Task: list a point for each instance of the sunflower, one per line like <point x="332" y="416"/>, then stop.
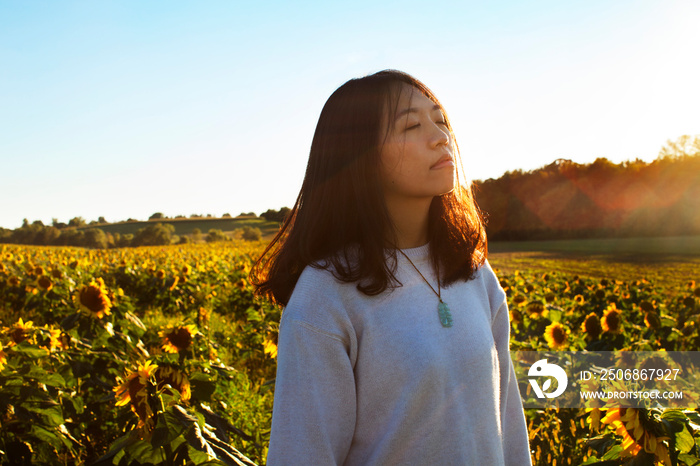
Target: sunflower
<point x="579" y="299"/>
<point x="593" y="419"/>
<point x="556" y="335"/>
<point x="270" y="345"/>
<point x="519" y="299"/>
<point x="3" y="358"/>
<point x="134" y="391"/>
<point x="592" y="326"/>
<point x="178" y="338"/>
<point x="612" y="320"/>
<point x="51" y="338"/>
<point x="536" y="309"/>
<point x="44" y="283"/>
<point x="515" y="316"/>
<point x="175" y="282"/>
<point x="20" y="331"/>
<point x="170" y="376"/>
<point x="203" y="316"/>
<point x="636" y="432"/>
<point x="93" y="299"/>
<point x="651" y="319"/>
<point x="646" y="306"/>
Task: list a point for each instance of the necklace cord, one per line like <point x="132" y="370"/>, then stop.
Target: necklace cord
<point x="437" y="293"/>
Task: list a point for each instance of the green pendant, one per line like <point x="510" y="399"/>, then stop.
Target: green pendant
<point x="444" y="314"/>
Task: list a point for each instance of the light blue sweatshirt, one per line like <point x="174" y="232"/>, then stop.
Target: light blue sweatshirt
<point x="377" y="380"/>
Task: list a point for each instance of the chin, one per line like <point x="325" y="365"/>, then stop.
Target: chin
<point x="448" y="188"/>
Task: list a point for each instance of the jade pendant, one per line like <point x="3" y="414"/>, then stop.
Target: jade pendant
<point x="444" y="314"/>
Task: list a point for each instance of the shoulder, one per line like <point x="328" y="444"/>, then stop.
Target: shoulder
<point x="492" y="286"/>
<point x="320" y="300"/>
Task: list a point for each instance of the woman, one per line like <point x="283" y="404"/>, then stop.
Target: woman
<point x="393" y="345"/>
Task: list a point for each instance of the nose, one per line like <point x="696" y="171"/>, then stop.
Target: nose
<point x="440" y="136"/>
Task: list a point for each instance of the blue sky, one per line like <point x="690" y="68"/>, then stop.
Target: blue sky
<point x="123" y="108"/>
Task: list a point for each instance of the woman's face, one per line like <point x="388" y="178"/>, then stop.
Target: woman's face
<point x="417" y="158"/>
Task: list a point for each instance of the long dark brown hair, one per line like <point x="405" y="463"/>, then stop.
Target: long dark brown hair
<point x="340" y="221"/>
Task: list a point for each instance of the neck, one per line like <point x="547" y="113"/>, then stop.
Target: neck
<point x="410" y="221"/>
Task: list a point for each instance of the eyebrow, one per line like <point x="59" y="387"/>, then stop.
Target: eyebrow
<point x="414" y="110"/>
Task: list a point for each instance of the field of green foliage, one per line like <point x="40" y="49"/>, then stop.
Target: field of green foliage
<point x="162" y="355"/>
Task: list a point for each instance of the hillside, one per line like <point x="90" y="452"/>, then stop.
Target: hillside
<point x="185" y="226"/>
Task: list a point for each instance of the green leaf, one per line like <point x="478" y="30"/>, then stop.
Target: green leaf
<point x="69" y="321"/>
<point x="29" y="350"/>
<point x="143" y="452"/>
<point x="160" y="436"/>
<point x="47" y="378"/>
<point x="672" y="426"/>
<point x="684" y="441"/>
<point x="554" y="314"/>
<point x="202" y="386"/>
<point x="689" y="460"/>
<point x="674" y="415"/>
<point x="53" y="416"/>
<point x="694" y="416"/>
<point x="78" y="404"/>
<point x="614" y="453"/>
<point x="116" y="450"/>
<point x="46" y="436"/>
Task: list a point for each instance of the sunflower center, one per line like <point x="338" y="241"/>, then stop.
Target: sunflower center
<point x="559" y="335"/>
<point x="613" y="320"/>
<point x="180" y="338"/>
<point x="92" y="298"/>
<point x="593" y="326"/>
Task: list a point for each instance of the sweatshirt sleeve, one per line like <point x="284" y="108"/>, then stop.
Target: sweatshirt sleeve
<point x="516" y="448"/>
<point x="313" y="418"/>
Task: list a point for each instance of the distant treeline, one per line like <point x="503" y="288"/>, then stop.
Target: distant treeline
<point x="568" y="200"/>
<point x="157" y="234"/>
<point x="97" y="234"/>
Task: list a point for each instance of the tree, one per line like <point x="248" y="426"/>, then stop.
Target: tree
<point x="216" y="235"/>
<point x="272" y="215"/>
<point x="251" y="234"/>
<point x="154" y="235"/>
<point x="156" y="216"/>
<point x="76" y="222"/>
<point x="683" y="146"/>
<point x="95" y="238"/>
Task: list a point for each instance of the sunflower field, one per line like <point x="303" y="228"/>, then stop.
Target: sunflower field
<point x="162" y="355"/>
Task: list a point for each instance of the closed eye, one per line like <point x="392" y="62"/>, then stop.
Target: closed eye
<point x="408" y="128"/>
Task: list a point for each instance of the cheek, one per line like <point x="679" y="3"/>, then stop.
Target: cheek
<point x="391" y="163"/>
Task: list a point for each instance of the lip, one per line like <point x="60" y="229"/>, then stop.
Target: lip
<point x="444" y="161"/>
